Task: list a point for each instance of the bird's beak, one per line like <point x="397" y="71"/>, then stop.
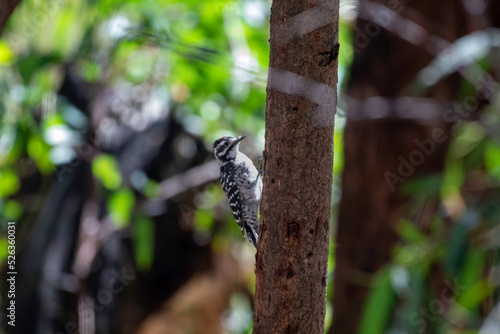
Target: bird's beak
<point x="239" y="139"/>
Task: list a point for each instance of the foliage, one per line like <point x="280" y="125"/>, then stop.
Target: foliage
<point x="460" y="243"/>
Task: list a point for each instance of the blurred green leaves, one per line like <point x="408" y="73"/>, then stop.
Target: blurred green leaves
<point x="492" y="159"/>
<point x="4" y="243"/>
<point x="121" y="201"/>
<point x="409" y="232"/>
<point x="120" y="206"/>
<point x="476" y="293"/>
<point x="30" y="65"/>
<point x="423" y="186"/>
<point x="105" y="169"/>
<point x="143" y="238"/>
<point x="9" y="182"/>
<point x="38" y="150"/>
<point x="379" y="304"/>
<point x="7" y="57"/>
<point x="11" y="210"/>
<point x="204" y="220"/>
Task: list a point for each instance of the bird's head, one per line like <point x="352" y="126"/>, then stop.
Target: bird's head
<point x="226" y="148"/>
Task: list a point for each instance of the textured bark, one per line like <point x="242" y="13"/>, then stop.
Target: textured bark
<point x="6" y="8"/>
<point x="369" y="209"/>
<point x="291" y="263"/>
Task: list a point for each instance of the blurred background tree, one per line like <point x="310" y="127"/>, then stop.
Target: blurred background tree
<point x="417" y="217"/>
<point x="108" y="110"/>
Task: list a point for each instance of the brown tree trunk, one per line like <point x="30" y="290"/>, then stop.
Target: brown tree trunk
<point x="381" y="133"/>
<point x="291" y="263"/>
<point x="6" y="8"/>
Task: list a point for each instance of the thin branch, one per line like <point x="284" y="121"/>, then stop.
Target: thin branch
<point x="193" y="178"/>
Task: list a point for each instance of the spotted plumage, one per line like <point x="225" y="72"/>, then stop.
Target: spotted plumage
<point x="241" y="182"/>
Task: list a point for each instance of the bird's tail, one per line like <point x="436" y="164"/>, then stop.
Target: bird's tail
<point x="252" y="234"/>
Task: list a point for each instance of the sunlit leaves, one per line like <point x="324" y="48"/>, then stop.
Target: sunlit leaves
<point x="140" y="66"/>
<point x="346" y="52"/>
<point x="105" y="169"/>
<point x="409" y="232"/>
<point x="9" y="182"/>
<point x="38" y="150"/>
<point x="476" y="293"/>
<point x="7" y="57"/>
<point x="204" y="221"/>
<point x="338" y="160"/>
<point x="492" y="159"/>
<point x="120" y="206"/>
<point x="91" y="71"/>
<point x="3" y="249"/>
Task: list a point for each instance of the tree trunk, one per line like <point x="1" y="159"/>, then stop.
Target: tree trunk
<point x="6" y="8"/>
<point x="385" y="66"/>
<point x="291" y="263"/>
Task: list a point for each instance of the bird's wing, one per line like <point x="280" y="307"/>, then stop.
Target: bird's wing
<point x="233" y="195"/>
<point x="235" y="205"/>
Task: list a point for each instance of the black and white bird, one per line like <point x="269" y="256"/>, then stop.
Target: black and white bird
<point x="242" y="184"/>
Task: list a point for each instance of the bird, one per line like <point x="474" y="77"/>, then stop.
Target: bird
<point x="241" y="183"/>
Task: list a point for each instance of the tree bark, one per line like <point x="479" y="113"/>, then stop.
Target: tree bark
<point x="291" y="262"/>
<point x="6" y="8"/>
<point x="385" y="66"/>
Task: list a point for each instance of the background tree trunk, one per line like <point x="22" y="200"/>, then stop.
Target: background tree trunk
<point x="291" y="263"/>
<point x="385" y="65"/>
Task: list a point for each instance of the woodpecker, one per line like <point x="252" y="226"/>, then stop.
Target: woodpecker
<point x="242" y="184"/>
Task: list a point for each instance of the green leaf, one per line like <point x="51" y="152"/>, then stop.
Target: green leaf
<point x="338" y="143"/>
<point x="456" y="248"/>
<point x="91" y="71"/>
<point x="7" y="57"/>
<point x="346" y="48"/>
<point x="425" y="186"/>
<point x="9" y="182"/>
<point x="204" y="220"/>
<point x="12" y="210"/>
<point x="457" y="243"/>
<point x="38" y="150"/>
<point x="492" y="159"/>
<point x="152" y="189"/>
<point x="53" y="119"/>
<point x="105" y="168"/>
<point x="409" y="232"/>
<point x="379" y="304"/>
<point x="29" y="65"/>
<point x="454" y="176"/>
<point x="144" y="242"/>
<point x="120" y="206"/>
<point x="3" y="249"/>
<point x="18" y="146"/>
<point x="475" y="294"/>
